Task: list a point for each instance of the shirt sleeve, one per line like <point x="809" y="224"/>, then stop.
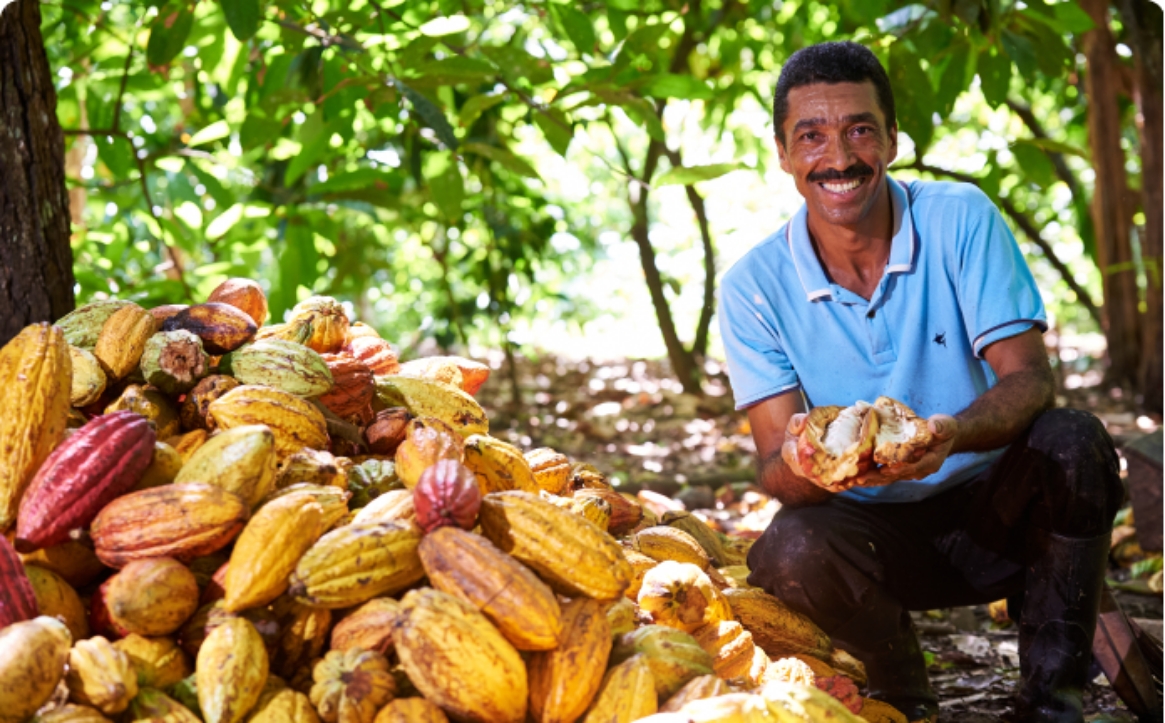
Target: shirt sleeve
<point x="998" y="296"/>
<point x="757" y="365"/>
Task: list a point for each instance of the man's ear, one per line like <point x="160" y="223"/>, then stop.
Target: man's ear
<point x="784" y="156"/>
<point x="892" y="131"/>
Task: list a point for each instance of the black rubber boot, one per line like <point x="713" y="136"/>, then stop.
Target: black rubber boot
<point x="1060" y="603"/>
<point x="882" y="636"/>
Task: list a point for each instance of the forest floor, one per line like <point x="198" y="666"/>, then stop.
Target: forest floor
<point x="630" y="419"/>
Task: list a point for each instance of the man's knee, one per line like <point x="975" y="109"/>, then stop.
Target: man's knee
<point x="807" y="559"/>
<point x="1084" y="488"/>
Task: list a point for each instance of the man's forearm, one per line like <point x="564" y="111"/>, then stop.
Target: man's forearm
<point x="790" y="490"/>
<point x="1001" y="414"/>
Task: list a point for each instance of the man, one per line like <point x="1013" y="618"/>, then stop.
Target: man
<point x="917" y="291"/>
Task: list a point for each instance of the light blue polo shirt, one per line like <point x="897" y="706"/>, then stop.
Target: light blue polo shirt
<point x="956" y="281"/>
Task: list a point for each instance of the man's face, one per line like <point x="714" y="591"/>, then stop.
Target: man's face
<point x="837" y="148"/>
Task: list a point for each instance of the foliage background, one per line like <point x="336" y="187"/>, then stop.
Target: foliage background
<point x="489" y="173"/>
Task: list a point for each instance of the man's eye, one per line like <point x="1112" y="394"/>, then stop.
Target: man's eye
<point x="863" y="130"/>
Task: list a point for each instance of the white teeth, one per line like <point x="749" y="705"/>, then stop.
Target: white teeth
<point x="842" y="187"/>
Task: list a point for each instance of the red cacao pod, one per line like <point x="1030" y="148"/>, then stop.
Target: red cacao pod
<point x="97" y="464"/>
<point x="376" y="353"/>
<point x="353" y="388"/>
<point x="447" y="494"/>
<point x="17" y="600"/>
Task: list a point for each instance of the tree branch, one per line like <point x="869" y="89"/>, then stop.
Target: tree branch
<point x="1026" y="225"/>
<point x="1058" y="163"/>
<point x="696" y="201"/>
<point x="116" y="123"/>
<point x="141" y="164"/>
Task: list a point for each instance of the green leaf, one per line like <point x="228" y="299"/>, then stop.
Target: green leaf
<point x="903" y="19"/>
<point x="638" y="109"/>
<point x="116" y="153"/>
<point x="1072" y="17"/>
<point x="504" y="157"/>
<point x="1055" y="146"/>
<point x="168" y="33"/>
<point x="430" y="115"/>
<point x="258" y="130"/>
<point x="556" y="128"/>
<point x="213" y="132"/>
<point x="357" y="179"/>
<point x="956" y="77"/>
<point x="478" y="104"/>
<point x="242" y="16"/>
<point x="1021" y="51"/>
<point x="576" y="25"/>
<point x="456" y="67"/>
<point x="307" y="157"/>
<point x="913" y="98"/>
<point x="669" y="85"/>
<point x="1034" y="164"/>
<point x="446" y="187"/>
<point x="687" y="175"/>
<point x="994" y="76"/>
<point x="223" y="198"/>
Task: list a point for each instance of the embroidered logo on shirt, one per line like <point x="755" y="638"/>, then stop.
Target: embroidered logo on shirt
<point x="940" y="338"/>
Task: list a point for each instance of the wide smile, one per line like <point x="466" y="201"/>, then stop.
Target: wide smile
<point x="843" y="188"/>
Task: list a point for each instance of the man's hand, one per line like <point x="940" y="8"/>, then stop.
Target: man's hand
<point x="925" y="462"/>
<point x="943" y="429"/>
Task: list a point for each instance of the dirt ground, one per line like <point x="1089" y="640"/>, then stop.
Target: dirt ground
<point x="631" y="420"/>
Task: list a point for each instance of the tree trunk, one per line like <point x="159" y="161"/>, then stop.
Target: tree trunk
<point x="1143" y="25"/>
<point x="1110" y="206"/>
<point x="36" y="261"/>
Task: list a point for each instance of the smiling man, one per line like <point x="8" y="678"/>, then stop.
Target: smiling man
<point x="917" y="291"/>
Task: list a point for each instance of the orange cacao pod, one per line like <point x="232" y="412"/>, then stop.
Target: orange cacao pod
<point x="243" y="294"/>
<point x="96" y="464"/>
<point x="123" y="339"/>
<point x="180" y="521"/>
<point x="386" y="433"/>
<point x="426" y="440"/>
<point x="351" y="396"/>
<point x="368" y="627"/>
<point x="447" y="494"/>
<point x="376" y="353"/>
<point x="563" y="681"/>
<point x="152" y="597"/>
<point x="351" y="685"/>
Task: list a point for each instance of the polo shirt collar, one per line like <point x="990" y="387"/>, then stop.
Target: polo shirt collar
<point x="809" y="271"/>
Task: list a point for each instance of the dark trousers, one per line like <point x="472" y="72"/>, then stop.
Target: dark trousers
<point x="854" y="568"/>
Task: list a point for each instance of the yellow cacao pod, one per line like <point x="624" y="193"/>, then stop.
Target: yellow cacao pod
<point x="328" y="328"/>
<point x="698" y="688"/>
<point x="442" y="642"/>
<point x="679" y="595"/>
<point x="368" y="627"/>
<point x="101" y="676"/>
<point x="426" y="441"/>
<point x="189" y="443"/>
<point x="426" y="398"/>
<point x="707" y="538"/>
<point x="240" y="460"/>
<point x="622" y="616"/>
<point x="778" y="630"/>
<point x="848" y="666"/>
<point x="790" y="670"/>
<point x="563" y="681"/>
<point x="356" y="563"/>
<point x="151" y="404"/>
<point x="875" y="711"/>
<point x="164" y="467"/>
<point x="35" y="383"/>
<point x="470" y="567"/>
<point x="231" y="671"/>
<point x="351" y="685"/>
<point x="499" y="466"/>
<point x="70" y="714"/>
<point x="730" y="646"/>
<point x="396" y="505"/>
<point x="572" y="555"/>
<point x="303" y="634"/>
<point x="152" y="597"/>
<point x="316" y="467"/>
<point x="123" y="339"/>
<point x="593" y="509"/>
<point x="159" y="662"/>
<point x="551" y="469"/>
<point x="268" y="549"/>
<point x="669" y="543"/>
<point x="33" y="655"/>
<point x="735" y="708"/>
<point x="72" y="560"/>
<point x="88" y="378"/>
<point x="332" y="500"/>
<point x="804" y="703"/>
<point x="626" y="512"/>
<point x="640" y="564"/>
<point x="154" y="706"/>
<point x="627" y="693"/>
<point x="410" y="710"/>
<point x="56" y="598"/>
<point x="675" y="656"/>
<point x="295" y="422"/>
<point x="284" y="706"/>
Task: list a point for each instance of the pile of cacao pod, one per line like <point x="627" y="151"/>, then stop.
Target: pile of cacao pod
<point x="208" y="518"/>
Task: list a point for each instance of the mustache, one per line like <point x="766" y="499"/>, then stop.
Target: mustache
<point x="856" y="171"/>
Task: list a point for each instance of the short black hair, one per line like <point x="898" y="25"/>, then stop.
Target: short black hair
<point x="836" y="62"/>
